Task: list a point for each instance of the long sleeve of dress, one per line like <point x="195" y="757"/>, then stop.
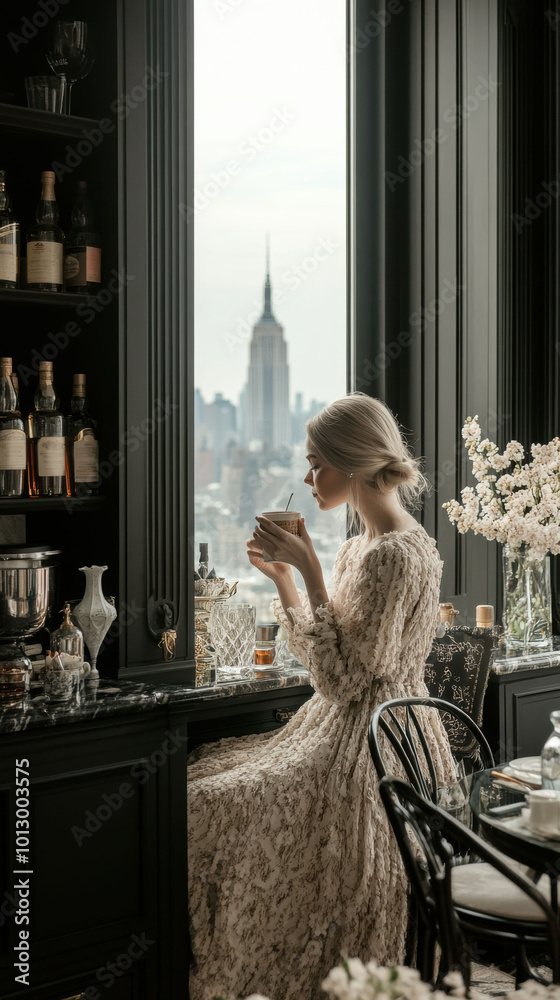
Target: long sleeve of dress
<point x="358" y="637"/>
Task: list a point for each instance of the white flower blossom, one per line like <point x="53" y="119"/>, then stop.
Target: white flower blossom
<point x="518" y="507"/>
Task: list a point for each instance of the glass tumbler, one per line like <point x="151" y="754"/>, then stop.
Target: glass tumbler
<point x="232" y="628"/>
<point x="45" y="93"/>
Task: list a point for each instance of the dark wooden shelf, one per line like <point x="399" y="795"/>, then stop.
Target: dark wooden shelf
<point x="28" y="120"/>
<point x="30" y="297"/>
<point x="29" y="505"/>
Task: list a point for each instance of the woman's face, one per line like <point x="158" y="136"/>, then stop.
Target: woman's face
<point x="330" y="487"/>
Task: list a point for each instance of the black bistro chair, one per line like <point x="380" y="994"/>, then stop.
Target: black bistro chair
<point x="396" y="723"/>
<point x="458" y="905"/>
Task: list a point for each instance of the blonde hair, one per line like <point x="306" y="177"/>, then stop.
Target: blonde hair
<point x="359" y="436"/>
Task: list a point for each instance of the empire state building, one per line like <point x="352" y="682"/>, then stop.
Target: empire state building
<point x="268" y="388"/>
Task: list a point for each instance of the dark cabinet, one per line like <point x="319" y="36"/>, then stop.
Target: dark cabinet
<point x="517" y="711"/>
<point x="106" y="847"/>
<point x="242" y="716"/>
<point x="107" y="859"/>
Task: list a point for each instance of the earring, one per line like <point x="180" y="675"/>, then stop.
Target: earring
<point x="350" y="476"/>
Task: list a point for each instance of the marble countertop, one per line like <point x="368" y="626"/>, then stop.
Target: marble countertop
<point x="106" y="698"/>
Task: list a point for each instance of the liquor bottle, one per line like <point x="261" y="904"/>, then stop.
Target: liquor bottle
<point x="9" y="239"/>
<point x="15" y="383"/>
<point x="82" y="449"/>
<point x="13" y="440"/>
<point x="203" y="561"/>
<point x="446" y="617"/>
<point x="45" y="242"/>
<point x="484" y="616"/>
<point x="82" y="254"/>
<point x="47" y="430"/>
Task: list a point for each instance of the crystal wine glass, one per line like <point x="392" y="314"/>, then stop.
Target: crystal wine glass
<point x="72" y="54"/>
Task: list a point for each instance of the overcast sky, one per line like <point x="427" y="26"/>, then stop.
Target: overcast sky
<point x="270" y="158"/>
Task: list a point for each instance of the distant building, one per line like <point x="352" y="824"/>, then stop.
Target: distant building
<point x="204" y="468"/>
<point x="268" y="389"/>
<point x="298" y="420"/>
<point x="242" y="416"/>
<point x="221" y="420"/>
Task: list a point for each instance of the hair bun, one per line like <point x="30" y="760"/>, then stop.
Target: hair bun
<point x="402" y="469"/>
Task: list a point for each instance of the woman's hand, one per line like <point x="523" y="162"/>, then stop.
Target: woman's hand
<point x="295" y="550"/>
<point x="275" y="571"/>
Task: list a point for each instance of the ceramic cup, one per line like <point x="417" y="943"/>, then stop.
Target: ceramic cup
<point x="286" y="519"/>
<point x="544" y="809"/>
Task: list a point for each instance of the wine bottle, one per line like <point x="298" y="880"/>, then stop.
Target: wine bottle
<point x="9" y="239"/>
<point x="82" y="449"/>
<point x="82" y="255"/>
<point x="47" y="439"/>
<point x="13" y="440"/>
<point x="45" y="242"/>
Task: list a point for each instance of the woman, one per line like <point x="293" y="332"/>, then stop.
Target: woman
<point x="292" y="861"/>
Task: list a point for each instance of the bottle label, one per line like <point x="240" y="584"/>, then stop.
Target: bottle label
<point x="50" y="456"/>
<point x="93" y="264"/>
<point x="13" y="450"/>
<point x="9" y="251"/>
<point x="44" y="263"/>
<point x="86" y="457"/>
<point x="82" y="265"/>
<point x="72" y="268"/>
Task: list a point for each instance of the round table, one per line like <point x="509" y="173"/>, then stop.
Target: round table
<point x="499" y="822"/>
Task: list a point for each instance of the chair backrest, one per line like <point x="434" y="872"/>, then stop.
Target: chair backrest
<point x="402" y="721"/>
<point x="457" y="670"/>
<point x="424" y="833"/>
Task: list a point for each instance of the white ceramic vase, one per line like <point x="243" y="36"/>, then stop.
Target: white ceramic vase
<point x="94" y="614"/>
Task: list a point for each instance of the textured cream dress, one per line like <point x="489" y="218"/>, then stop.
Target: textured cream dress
<point x="292" y="863"/>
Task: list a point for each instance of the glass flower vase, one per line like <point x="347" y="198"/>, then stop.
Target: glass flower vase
<point x="527" y="616"/>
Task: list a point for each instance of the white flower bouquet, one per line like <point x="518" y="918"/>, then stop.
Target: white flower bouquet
<point x="512" y="502"/>
<point x="355" y="981"/>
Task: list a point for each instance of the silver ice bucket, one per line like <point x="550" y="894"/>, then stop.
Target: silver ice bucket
<point x="28" y="588"/>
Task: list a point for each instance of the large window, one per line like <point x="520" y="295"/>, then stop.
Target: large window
<point x="270" y="266"/>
